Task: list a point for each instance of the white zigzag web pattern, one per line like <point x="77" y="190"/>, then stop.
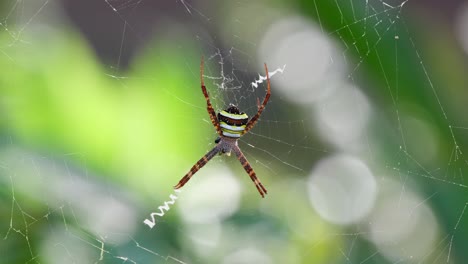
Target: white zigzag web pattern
<point x="263" y="78"/>
<point x="162" y="210"/>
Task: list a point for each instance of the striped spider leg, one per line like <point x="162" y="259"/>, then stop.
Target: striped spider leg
<point x="209" y="107"/>
<point x="230" y="124"/>
<point x="245" y="163"/>
<point x="200" y="163"/>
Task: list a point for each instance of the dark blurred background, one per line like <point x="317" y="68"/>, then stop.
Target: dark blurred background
<point x="362" y="146"/>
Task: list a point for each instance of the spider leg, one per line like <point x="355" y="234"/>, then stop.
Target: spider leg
<point x="254" y="119"/>
<point x="209" y="107"/>
<point x="200" y="163"/>
<point x="245" y="163"/>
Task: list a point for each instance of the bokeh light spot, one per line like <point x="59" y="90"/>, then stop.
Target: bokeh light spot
<point x="214" y="196"/>
<point x="342" y="118"/>
<point x="308" y="55"/>
<point x="402" y="226"/>
<point x="342" y="189"/>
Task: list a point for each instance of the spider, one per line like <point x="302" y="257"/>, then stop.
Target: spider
<point x="230" y="124"/>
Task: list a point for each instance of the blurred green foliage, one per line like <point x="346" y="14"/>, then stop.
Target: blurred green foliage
<point x="57" y="97"/>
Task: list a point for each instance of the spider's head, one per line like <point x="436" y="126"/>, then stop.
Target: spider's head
<point x="233" y="109"/>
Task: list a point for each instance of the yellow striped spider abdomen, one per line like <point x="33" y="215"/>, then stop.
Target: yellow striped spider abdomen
<point x="232" y="122"/>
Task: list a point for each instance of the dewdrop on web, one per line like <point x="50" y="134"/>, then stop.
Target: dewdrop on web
<point x="263" y="78"/>
<point x="162" y="209"/>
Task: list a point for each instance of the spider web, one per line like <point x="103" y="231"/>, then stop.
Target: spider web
<point x="362" y="145"/>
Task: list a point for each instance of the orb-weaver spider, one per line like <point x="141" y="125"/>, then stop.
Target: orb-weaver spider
<point x="230" y="124"/>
